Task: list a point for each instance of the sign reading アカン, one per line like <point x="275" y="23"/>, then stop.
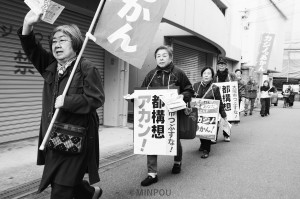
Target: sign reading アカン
<point x="230" y="99"/>
<point x="126" y="28"/>
<point x="208" y="112"/>
<point x="155" y="128"/>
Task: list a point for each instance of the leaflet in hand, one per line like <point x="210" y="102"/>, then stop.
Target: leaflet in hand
<point x="173" y="102"/>
<point x="50" y="9"/>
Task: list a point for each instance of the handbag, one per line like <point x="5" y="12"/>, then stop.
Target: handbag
<point x="67" y="138"/>
<point x="187" y="123"/>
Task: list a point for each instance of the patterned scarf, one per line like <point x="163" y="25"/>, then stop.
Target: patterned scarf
<point x="62" y="68"/>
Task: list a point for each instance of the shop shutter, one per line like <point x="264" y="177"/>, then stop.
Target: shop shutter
<point x="21" y="85"/>
<point x="191" y="61"/>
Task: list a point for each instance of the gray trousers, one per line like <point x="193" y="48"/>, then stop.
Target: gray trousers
<point x="152" y="159"/>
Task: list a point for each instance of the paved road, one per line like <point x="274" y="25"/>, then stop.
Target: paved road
<point x="261" y="161"/>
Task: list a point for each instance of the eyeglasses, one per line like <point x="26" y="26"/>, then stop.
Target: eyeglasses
<point x="60" y="42"/>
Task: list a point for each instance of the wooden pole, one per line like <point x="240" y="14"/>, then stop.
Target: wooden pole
<point x="88" y="35"/>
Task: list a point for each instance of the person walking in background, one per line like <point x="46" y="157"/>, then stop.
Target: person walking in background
<point x="250" y="95"/>
<point x="265" y="98"/>
<point x="223" y="75"/>
<point x="65" y="172"/>
<point x="241" y="85"/>
<point x="206" y="90"/>
<point x="166" y="74"/>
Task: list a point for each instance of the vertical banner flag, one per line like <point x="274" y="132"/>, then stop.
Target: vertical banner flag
<point x="230" y="98"/>
<point x="208" y="112"/>
<point x="155" y="128"/>
<point x="264" y="52"/>
<point x="126" y="28"/>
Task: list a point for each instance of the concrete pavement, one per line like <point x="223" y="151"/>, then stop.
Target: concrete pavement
<point x="261" y="161"/>
<point x="18" y="159"/>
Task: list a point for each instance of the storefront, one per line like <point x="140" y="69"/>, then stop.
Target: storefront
<point x="21" y="84"/>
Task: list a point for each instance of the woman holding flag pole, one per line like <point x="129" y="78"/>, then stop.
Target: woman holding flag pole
<point x="77" y="123"/>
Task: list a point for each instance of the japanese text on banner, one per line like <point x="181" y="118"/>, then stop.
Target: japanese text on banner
<point x="230" y="99"/>
<point x="208" y="112"/>
<point x="155" y="128"/>
<point x="264" y="52"/>
<point x="123" y="25"/>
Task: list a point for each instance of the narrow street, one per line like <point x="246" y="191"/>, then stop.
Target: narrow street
<point x="261" y="161"/>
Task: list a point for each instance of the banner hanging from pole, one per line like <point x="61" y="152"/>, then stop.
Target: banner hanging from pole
<point x="265" y="49"/>
<point x="126" y="28"/>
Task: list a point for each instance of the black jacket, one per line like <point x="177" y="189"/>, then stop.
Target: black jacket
<point x="200" y="90"/>
<point x="170" y="76"/>
<point x="84" y="96"/>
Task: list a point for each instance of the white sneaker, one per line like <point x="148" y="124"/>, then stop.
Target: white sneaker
<point x="227" y="139"/>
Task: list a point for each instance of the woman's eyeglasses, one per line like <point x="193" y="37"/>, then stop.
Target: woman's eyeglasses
<point x="59" y="41"/>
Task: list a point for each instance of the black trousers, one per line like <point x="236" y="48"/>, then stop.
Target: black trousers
<point x="82" y="191"/>
<point x="205" y="145"/>
<point x="265" y="106"/>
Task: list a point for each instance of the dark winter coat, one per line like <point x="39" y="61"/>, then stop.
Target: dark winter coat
<point x="226" y="76"/>
<point x="200" y="90"/>
<point x="170" y="76"/>
<point x="251" y="90"/>
<point x="84" y="96"/>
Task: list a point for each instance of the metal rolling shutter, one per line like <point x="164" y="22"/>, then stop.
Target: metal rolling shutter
<point x="191" y="61"/>
<point x="21" y="88"/>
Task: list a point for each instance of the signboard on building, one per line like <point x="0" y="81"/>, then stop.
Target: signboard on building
<point x="155" y="128"/>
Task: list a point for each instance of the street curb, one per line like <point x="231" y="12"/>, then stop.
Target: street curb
<point x="29" y="190"/>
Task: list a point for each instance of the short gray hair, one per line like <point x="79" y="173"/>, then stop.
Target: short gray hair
<point x="73" y="32"/>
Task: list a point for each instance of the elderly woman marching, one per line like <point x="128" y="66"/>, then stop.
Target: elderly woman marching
<point x="63" y="170"/>
<point x="164" y="75"/>
<point x="206" y="90"/>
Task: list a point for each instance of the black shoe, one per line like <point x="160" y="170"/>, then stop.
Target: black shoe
<point x="250" y="113"/>
<point x="262" y="115"/>
<point x="176" y="168"/>
<point x="149" y="181"/>
<point x="205" y="154"/>
<point x="245" y="114"/>
<point x="97" y="193"/>
<point x="213" y="141"/>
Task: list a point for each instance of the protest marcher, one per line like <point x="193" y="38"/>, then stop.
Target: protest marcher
<point x="166" y="75"/>
<point x="206" y="90"/>
<point x="241" y="85"/>
<point x="223" y="75"/>
<point x="288" y="97"/>
<point x="64" y="171"/>
<point x="265" y="98"/>
<point x="250" y="95"/>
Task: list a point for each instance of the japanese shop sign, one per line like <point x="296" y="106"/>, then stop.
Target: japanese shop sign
<point x="208" y="112"/>
<point x="126" y="28"/>
<point x="230" y="99"/>
<point x="155" y="128"/>
<point x="264" y="52"/>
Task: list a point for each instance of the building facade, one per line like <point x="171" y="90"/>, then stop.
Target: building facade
<point x="198" y="31"/>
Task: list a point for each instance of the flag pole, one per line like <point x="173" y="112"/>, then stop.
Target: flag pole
<point x="87" y="37"/>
